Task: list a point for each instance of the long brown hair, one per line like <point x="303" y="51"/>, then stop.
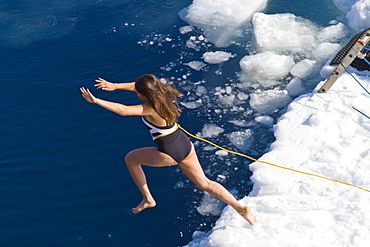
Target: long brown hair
<point x="162" y="97"/>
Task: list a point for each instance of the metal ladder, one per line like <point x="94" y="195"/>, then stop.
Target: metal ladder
<point x="354" y="52"/>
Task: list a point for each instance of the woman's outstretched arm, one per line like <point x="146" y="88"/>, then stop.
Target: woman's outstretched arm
<point x="121" y="109"/>
<point x="110" y="86"/>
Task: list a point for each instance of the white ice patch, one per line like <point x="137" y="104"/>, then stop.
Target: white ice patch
<point x="266" y="67"/>
<point x="327" y="69"/>
<point x="284" y="32"/>
<point x="325" y="50"/>
<point x="216" y="57"/>
<point x="242" y="140"/>
<point x="226" y="99"/>
<point x="320" y="134"/>
<point x="332" y="33"/>
<point x="295" y="87"/>
<point x="242" y="96"/>
<point x="357" y="13"/>
<point x="241" y="123"/>
<point x="211" y="130"/>
<point x="269" y="101"/>
<point x="210" y="205"/>
<point x="196" y="65"/>
<point x="292" y="40"/>
<point x="186" y="29"/>
<point x="221" y="20"/>
<point x="180" y="185"/>
<point x="192" y="105"/>
<point x="200" y="90"/>
<point x="303" y="69"/>
<point x="265" y="120"/>
<point x="222" y="153"/>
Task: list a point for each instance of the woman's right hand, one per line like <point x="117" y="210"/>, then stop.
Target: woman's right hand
<point x="105" y="85"/>
<point x="89" y="97"/>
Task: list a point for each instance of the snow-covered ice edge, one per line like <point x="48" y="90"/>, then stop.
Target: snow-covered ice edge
<point x="320" y="134"/>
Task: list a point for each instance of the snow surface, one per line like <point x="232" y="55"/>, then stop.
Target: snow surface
<point x="357" y="12"/>
<point x="319" y="133"/>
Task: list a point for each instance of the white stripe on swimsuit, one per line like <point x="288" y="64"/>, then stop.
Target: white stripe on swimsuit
<point x="157" y="132"/>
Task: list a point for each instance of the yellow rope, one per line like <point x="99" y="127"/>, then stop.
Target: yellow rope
<point x="286" y="168"/>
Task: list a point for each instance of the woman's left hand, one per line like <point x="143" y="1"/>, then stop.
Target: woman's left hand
<point x="89" y="97"/>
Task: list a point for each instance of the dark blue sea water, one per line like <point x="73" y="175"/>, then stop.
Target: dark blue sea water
<point x="63" y="179"/>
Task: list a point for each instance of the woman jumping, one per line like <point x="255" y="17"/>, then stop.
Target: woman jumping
<point x="159" y="113"/>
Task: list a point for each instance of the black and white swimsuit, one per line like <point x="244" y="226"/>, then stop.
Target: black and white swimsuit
<point x="170" y="140"/>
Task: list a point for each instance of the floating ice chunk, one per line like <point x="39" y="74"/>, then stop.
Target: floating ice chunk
<point x="243" y="96"/>
<point x="332" y="33"/>
<point x="185" y="29"/>
<point x="210" y="205"/>
<point x="221" y="20"/>
<point x="325" y="50"/>
<point x="359" y="15"/>
<point x="221" y="153"/>
<point x="196" y="65"/>
<point x="211" y="130"/>
<point x="192" y="105"/>
<point x="190" y="44"/>
<point x="265" y="120"/>
<point x="303" y="69"/>
<point x="327" y="69"/>
<point x="268" y="83"/>
<point x="198" y="235"/>
<point x="200" y="91"/>
<point x="269" y="101"/>
<point x="226" y="100"/>
<point x="180" y="185"/>
<point x="295" y="87"/>
<point x="228" y="90"/>
<point x="242" y="140"/>
<point x="209" y="148"/>
<point x="267" y="66"/>
<point x="243" y="85"/>
<point x="216" y="57"/>
<point x="241" y="123"/>
<point x="284" y="32"/>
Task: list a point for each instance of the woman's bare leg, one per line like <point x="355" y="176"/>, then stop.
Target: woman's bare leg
<point x="145" y="156"/>
<point x="193" y="170"/>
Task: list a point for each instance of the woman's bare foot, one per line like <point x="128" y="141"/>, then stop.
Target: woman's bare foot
<point x="246" y="213"/>
<point x="143" y="205"/>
